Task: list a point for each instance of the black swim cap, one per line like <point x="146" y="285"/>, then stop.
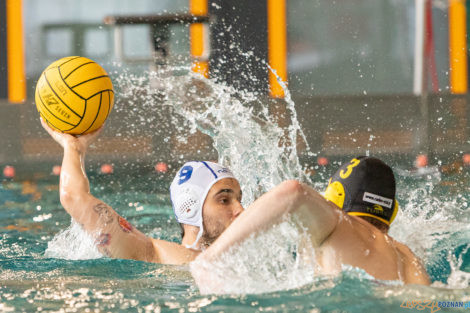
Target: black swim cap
<point x="364" y="187"/>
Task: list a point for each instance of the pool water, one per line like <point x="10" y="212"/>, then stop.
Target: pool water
<point x="32" y="281"/>
<point x="47" y="263"/>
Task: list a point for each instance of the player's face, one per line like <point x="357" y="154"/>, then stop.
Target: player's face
<point x="221" y="207"/>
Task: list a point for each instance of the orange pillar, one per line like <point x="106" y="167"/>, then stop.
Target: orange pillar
<point x="458" y="47"/>
<point x="277" y="45"/>
<point x="15" y="52"/>
<point x="198" y="33"/>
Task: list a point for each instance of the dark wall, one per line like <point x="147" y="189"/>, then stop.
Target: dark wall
<point x="239" y="44"/>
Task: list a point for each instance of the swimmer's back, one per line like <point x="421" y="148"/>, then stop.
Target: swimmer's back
<point x="357" y="243"/>
<point x="415" y="272"/>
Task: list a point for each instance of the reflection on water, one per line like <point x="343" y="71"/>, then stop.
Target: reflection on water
<point x="48" y="264"/>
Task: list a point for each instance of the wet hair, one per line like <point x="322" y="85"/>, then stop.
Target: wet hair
<point x="375" y="222"/>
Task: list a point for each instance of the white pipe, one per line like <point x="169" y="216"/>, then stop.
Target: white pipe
<point x="118" y="43"/>
<point x="419" y="66"/>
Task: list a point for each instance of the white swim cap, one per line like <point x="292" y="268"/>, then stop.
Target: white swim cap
<point x="189" y="189"/>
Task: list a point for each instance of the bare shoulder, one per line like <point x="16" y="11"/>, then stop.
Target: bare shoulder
<point x="415" y="272"/>
<point x="404" y="249"/>
<point x="173" y="253"/>
<point x="407" y="254"/>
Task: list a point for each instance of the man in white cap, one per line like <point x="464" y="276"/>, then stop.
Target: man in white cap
<point x="205" y="196"/>
<point x="206" y="199"/>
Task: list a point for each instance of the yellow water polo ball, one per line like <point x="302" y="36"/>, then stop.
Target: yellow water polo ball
<point x="74" y="95"/>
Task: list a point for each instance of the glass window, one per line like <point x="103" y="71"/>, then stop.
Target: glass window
<point x="97" y="42"/>
<point x="58" y="43"/>
<point x="350" y="46"/>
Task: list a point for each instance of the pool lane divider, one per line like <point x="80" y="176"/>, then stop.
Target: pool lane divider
<point x="199" y="38"/>
<point x="12" y="54"/>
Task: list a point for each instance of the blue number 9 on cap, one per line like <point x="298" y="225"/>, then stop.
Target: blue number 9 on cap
<point x="185" y="174"/>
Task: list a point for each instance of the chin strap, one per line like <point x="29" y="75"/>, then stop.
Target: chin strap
<point x="199" y="235"/>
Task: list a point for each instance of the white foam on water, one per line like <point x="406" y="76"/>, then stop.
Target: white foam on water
<point x="458" y="279"/>
<point x="72" y="243"/>
<point x="279" y="258"/>
<point x="432" y="225"/>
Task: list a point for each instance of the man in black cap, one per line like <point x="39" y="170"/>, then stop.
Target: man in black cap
<point x="348" y="225"/>
<point x="365" y="187"/>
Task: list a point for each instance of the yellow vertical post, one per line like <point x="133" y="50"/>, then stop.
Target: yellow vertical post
<point x="458" y="46"/>
<point x="277" y="45"/>
<point x="15" y="52"/>
<point x="198" y="37"/>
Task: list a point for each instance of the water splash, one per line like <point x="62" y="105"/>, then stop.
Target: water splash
<point x="72" y="243"/>
<point x="242" y="126"/>
<point x="258" y="139"/>
<point x="435" y="227"/>
<point x="280" y="258"/>
<point x="458" y="278"/>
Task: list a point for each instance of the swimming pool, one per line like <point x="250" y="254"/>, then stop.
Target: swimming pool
<point x="47" y="264"/>
<point x="39" y="272"/>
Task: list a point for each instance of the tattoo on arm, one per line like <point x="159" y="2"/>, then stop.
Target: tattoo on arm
<point x="125" y="225"/>
<point x="104" y="211"/>
<point x="106" y="215"/>
<point x="103" y="240"/>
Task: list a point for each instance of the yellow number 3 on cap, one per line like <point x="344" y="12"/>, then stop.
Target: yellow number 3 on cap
<point x="354" y="163"/>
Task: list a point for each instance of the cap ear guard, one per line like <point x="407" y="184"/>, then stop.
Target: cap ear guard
<point x="395" y="211"/>
<point x="186" y="202"/>
<point x="335" y="193"/>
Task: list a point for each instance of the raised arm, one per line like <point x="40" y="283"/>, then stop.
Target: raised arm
<point x="114" y="236"/>
<point x="315" y="213"/>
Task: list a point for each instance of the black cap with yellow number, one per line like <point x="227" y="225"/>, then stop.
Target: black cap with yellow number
<point x="364" y="187"/>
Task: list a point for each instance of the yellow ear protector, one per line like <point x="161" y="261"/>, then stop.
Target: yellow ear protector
<point x="335" y="193"/>
<point x="395" y="211"/>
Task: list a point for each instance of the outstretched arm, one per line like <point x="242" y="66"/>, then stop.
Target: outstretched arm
<point x="114" y="236"/>
<point x="317" y="215"/>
